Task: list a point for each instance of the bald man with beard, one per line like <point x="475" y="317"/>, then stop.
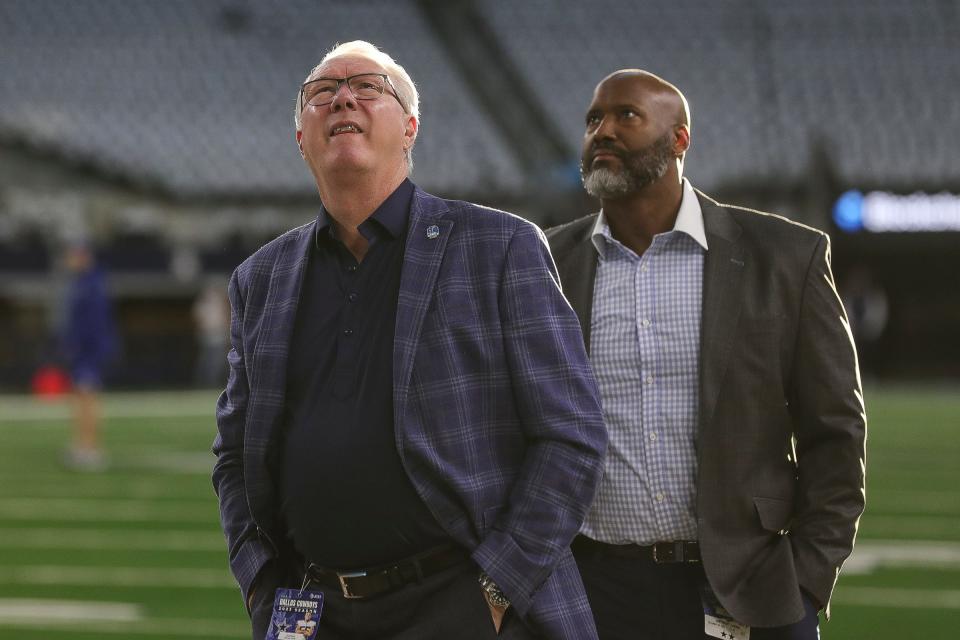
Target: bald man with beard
<point x="734" y="480"/>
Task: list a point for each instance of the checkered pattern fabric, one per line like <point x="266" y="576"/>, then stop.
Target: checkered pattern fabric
<point x="645" y="341"/>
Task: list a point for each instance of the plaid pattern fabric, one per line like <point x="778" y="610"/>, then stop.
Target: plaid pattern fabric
<point x="645" y="340"/>
<point x="497" y="415"/>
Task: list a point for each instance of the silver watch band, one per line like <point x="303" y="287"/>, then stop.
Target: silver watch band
<point x="493" y="592"/>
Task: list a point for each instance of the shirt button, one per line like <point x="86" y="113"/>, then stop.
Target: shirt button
<point x="648" y="380"/>
<point x="351" y="268"/>
<point x="643" y="268"/>
<point x="653" y="437"/>
<point x="352" y="297"/>
<point x="660" y="497"/>
<point x="645" y="322"/>
<point x="348" y="332"/>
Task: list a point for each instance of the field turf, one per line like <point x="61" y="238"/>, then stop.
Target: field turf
<point x="136" y="552"/>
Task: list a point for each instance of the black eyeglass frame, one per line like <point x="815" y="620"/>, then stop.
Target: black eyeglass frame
<point x="340" y="83"/>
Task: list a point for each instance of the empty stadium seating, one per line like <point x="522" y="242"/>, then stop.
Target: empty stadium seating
<point x="196" y="97"/>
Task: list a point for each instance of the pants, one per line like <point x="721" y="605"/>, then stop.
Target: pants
<point x="638" y="599"/>
<point x="447" y="605"/>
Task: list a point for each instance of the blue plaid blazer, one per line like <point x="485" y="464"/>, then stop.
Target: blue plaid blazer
<point x="496" y="411"/>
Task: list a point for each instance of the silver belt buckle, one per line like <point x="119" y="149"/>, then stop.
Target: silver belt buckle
<point x="343" y="577"/>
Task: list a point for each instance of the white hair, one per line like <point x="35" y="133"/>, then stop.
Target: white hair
<point x="399" y="78"/>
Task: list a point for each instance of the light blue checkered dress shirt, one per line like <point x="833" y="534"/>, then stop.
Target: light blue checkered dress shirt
<point x="645" y="343"/>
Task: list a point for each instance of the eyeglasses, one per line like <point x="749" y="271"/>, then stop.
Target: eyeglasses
<point x="363" y="86"/>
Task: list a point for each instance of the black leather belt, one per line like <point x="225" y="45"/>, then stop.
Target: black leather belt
<point x="659" y="552"/>
<point x="370" y="582"/>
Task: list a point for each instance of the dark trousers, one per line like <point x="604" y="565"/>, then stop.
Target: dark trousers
<point x="637" y="599"/>
<point x="444" y="606"/>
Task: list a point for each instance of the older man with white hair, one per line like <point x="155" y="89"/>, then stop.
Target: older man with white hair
<point x="410" y="428"/>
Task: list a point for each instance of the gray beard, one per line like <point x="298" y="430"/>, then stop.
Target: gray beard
<point x="607" y="184"/>
<point x="640" y="169"/>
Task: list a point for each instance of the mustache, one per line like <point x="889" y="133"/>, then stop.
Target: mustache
<point x="608" y="145"/>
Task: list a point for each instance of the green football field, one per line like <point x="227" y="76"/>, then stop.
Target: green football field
<point x="137" y="552"/>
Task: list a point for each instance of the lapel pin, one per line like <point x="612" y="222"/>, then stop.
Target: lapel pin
<point x="433" y="231"/>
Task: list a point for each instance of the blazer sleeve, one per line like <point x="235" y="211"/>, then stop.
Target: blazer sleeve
<point x="827" y="404"/>
<point x="559" y="408"/>
<point x="248" y="550"/>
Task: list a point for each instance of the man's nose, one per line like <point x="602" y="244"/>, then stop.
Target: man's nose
<point x="343" y="99"/>
<point x="605" y="129"/>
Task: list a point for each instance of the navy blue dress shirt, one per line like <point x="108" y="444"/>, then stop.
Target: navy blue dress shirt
<point x="345" y="497"/>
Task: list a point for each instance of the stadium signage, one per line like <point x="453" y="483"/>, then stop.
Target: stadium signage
<point x="881" y="211"/>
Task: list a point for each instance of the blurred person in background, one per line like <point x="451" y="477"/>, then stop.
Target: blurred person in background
<point x="410" y="424"/>
<point x="211" y="315"/>
<point x="88" y="340"/>
<point x="734" y="480"/>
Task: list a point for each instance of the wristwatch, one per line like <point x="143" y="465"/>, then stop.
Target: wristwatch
<point x="494" y="594"/>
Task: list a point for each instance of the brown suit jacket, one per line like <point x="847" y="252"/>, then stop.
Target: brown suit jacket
<point x="782" y="427"/>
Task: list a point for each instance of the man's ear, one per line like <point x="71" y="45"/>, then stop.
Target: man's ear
<point x="300" y="142"/>
<point x="410" y="132"/>
<point x="681" y="139"/>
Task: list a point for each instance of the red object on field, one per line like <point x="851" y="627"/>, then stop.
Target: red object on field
<point x="50" y="382"/>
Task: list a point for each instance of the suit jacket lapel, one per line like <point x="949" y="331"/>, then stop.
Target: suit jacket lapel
<point x="578" y="270"/>
<point x="427" y="236"/>
<point x="722" y="285"/>
<point x="269" y="371"/>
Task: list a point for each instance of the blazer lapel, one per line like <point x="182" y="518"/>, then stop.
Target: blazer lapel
<point x="427" y="236"/>
<point x="722" y="286"/>
<point x="578" y="270"/>
<point x="269" y="369"/>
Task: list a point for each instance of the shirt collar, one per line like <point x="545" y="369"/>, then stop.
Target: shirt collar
<point x="689" y="221"/>
<point x="690" y="216"/>
<point x="390" y="217"/>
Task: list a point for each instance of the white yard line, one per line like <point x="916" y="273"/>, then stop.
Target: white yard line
<point x="182" y="462"/>
<point x="118" y="577"/>
<point x="169" y="404"/>
<point x="23" y="609"/>
<point x="106" y="487"/>
<point x="914" y="526"/>
<point x="898" y="598"/>
<point x="75" y="509"/>
<point x="152" y="457"/>
<point x="111" y="539"/>
<point x="869" y="555"/>
<point x="117" y="618"/>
